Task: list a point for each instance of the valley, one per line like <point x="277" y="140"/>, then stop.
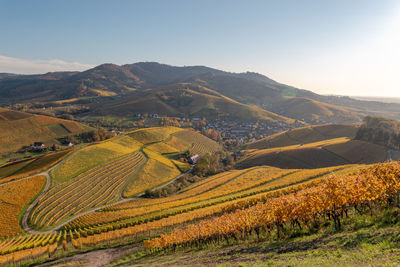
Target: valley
<point x="140" y="164"/>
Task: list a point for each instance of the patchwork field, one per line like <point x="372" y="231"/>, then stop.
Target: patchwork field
<point x="87" y="204"/>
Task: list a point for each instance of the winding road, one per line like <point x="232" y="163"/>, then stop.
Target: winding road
<point x="24" y="221"/>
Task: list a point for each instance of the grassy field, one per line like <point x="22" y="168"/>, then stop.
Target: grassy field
<point x="13" y="198"/>
<point x="18" y="129"/>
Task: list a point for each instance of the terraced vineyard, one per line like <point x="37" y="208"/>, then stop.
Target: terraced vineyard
<point x="334" y="196"/>
<point x="211" y="197"/>
<point x="85" y="206"/>
<point x="194" y="142"/>
<point x="13" y="197"/>
<point x="91" y="189"/>
<point x="225" y="188"/>
<point x="92" y="156"/>
<point x="80" y="234"/>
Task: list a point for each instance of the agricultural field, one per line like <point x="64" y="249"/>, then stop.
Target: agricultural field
<point x="227" y="188"/>
<point x="18" y="129"/>
<point x="92" y="156"/>
<point x="153" y="135"/>
<point x="91" y="189"/>
<point x="164" y="148"/>
<point x="182" y="166"/>
<point x="331" y="152"/>
<point x="13" y="198"/>
<point x="17" y="170"/>
<point x="183" y="140"/>
<point x="155" y="172"/>
<point x="304" y="135"/>
<point x="96" y="198"/>
<point x="194" y="142"/>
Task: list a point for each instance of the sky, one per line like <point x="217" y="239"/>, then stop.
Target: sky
<point x="341" y="47"/>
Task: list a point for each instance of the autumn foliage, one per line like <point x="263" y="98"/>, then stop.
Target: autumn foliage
<point x="331" y="199"/>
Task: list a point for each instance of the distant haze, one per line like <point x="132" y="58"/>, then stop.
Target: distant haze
<point x="379" y="99"/>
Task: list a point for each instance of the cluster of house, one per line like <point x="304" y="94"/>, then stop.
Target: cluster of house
<point x="40" y="146"/>
<point x="244" y="132"/>
<point x="141" y="116"/>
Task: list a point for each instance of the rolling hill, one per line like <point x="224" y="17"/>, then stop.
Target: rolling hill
<point x="305" y="135"/>
<point x="18" y="129"/>
<point x="333" y="152"/>
<point x="109" y="82"/>
<point x="187" y="100"/>
<point x="93" y="199"/>
<point x="313" y="147"/>
<point x="105" y="172"/>
<point x="316" y="112"/>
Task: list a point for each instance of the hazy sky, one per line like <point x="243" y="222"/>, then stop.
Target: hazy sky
<point x="346" y="47"/>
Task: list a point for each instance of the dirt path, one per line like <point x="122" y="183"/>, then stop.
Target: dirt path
<point x="95" y="258"/>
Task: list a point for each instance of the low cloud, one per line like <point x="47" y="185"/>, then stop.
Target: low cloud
<point x="26" y="66"/>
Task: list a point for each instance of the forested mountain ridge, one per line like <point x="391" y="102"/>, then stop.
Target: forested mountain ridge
<point x="108" y="82"/>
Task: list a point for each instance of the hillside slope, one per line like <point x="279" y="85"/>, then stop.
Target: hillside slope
<point x="109" y="80"/>
<point x="331" y="152"/>
<point x="315" y="112"/>
<point x="18" y="129"/>
<point x="305" y="135"/>
<point x="185" y="99"/>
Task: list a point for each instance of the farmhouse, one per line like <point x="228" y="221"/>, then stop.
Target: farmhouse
<point x="194" y="159"/>
<point x="38" y="146"/>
